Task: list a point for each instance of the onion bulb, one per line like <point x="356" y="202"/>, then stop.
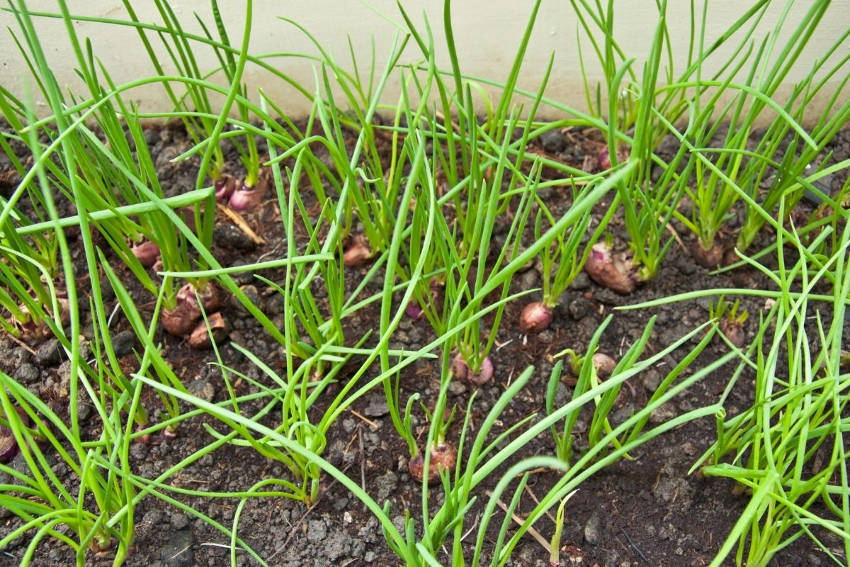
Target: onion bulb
<point x="617" y="274"/>
<point x="461" y="370"/>
<point x="603" y="364"/>
<point x="443" y="456"/>
<point x="8" y="443"/>
<point x="710" y="257"/>
<point x="248" y="198"/>
<point x="414" y="311"/>
<point x="224" y="187"/>
<point x="733" y="329"/>
<point x="146" y="252"/>
<point x="535" y="317"/>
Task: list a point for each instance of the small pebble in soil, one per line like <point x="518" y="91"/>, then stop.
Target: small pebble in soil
<point x="317" y="530"/>
<point x="528" y="280"/>
<point x="17" y="356"/>
<point x="274" y="304"/>
<point x="581" y="283"/>
<point x="553" y="141"/>
<point x="152" y="519"/>
<point x="663" y="414"/>
<point x="593" y="530"/>
<point x="686" y="266"/>
<point x="202" y="389"/>
<point x="48" y="354"/>
<point x="579" y="308"/>
<point x="251" y="293"/>
<point x="385" y="485"/>
<point x="651" y="380"/>
<point x="123" y="342"/>
<point x="179" y="520"/>
<point x="27" y="373"/>
<point x="377" y="407"/>
<point x="457" y="388"/>
<point x="83" y="411"/>
<point x="64" y="375"/>
<point x="177" y="551"/>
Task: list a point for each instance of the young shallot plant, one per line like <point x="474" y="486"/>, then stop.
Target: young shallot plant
<point x="730" y="321"/>
<point x="247" y="194"/>
<point x="116" y="178"/>
<point x="788" y="449"/>
<point x="561" y="262"/>
<point x="597" y="369"/>
<point x="480" y="457"/>
<point x="75" y="515"/>
<point x="648" y="110"/>
<point x="194" y="108"/>
<point x="784" y="152"/>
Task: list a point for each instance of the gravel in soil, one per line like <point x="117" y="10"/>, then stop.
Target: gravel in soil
<point x="646" y="510"/>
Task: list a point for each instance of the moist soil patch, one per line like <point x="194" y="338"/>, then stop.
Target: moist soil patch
<point x="646" y="510"/>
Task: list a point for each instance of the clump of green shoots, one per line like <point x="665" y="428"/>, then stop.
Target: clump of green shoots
<point x="730" y="319"/>
<point x="561" y="261"/>
<point x="788" y="450"/>
<point x="441" y="455"/>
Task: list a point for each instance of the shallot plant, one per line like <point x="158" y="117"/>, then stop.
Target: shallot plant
<point x="488" y="162"/>
<point x="784" y="152"/>
<point x="787" y="450"/>
<point x="562" y="261"/>
<point x="641" y="110"/>
<point x="75" y="515"/>
<point x="591" y="374"/>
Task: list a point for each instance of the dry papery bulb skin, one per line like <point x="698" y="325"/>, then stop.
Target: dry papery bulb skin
<point x="617" y="274"/>
<point x="733" y="330"/>
<point x="180" y="320"/>
<point x="200" y="336"/>
<point x="357" y="253"/>
<point x="443" y="456"/>
<point x="146" y="252"/>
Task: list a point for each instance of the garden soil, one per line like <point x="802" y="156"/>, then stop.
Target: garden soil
<point x="645" y="510"/>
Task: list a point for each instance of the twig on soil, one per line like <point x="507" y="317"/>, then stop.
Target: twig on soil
<point x="372" y="425"/>
<point x="471" y="528"/>
<point x="22" y="344"/>
<point x="531" y="531"/>
<point x="675" y="235"/>
<point x="362" y="463"/>
<point x="179" y="552"/>
<point x="632" y="543"/>
<point x="536" y="501"/>
<point x="241" y="224"/>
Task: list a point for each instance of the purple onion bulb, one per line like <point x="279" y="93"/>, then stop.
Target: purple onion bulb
<point x="535" y="317"/>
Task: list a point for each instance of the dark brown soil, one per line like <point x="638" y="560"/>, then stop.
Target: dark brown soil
<point x="643" y="511"/>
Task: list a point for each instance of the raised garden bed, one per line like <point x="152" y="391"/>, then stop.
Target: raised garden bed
<point x="362" y="286"/>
